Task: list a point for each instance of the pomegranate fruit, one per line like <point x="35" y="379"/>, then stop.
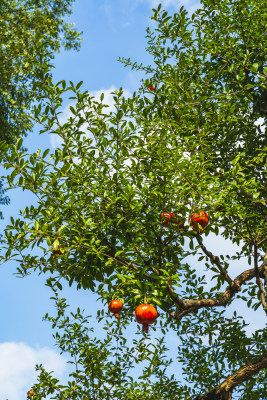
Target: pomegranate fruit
<point x="30" y="394"/>
<point x="145" y="314"/>
<point x="115" y="307"/>
<point x="200" y="218"/>
<point x="58" y="252"/>
<point x="168" y="218"/>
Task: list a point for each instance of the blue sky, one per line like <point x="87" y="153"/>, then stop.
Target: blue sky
<point x="112" y="29"/>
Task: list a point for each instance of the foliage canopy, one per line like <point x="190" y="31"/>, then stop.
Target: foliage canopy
<point x="31" y="31"/>
<point x="193" y="143"/>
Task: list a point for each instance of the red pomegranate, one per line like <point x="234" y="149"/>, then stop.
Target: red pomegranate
<point x="200" y="218"/>
<point x="168" y="218"/>
<point x="115" y="306"/>
<point x="151" y="88"/>
<point x="58" y="252"/>
<point x="30" y="394"/>
<point x="145" y="314"/>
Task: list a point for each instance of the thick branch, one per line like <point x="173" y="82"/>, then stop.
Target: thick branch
<point x="194" y="305"/>
<point x="243" y="374"/>
<point x="258" y="279"/>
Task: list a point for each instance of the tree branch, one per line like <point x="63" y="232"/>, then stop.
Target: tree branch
<point x="214" y="259"/>
<point x="223" y="390"/>
<point x="258" y="279"/>
<point x="191" y="306"/>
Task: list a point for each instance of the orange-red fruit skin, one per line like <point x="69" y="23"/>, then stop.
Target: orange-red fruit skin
<point x="200" y="218"/>
<point x="30" y="393"/>
<point x="115" y="307"/>
<point x="168" y="218"/>
<point x="145" y="314"/>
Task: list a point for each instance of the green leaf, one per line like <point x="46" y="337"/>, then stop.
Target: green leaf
<point x="254" y="67"/>
<point x="62" y="228"/>
<point x="56" y="244"/>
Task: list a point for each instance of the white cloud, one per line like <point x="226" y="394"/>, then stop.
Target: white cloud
<point x="261" y="123"/>
<point x="177" y="4"/>
<point x="17" y="367"/>
<point x="108" y="97"/>
<point x="164" y="3"/>
<point x="56" y="141"/>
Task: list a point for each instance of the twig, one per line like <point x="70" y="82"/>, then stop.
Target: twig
<point x="214" y="259"/>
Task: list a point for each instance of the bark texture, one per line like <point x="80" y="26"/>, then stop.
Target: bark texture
<point x="224" y="390"/>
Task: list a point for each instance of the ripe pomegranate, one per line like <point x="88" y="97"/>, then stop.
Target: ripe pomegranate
<point x="200" y="218"/>
<point x="151" y="88"/>
<point x="145" y="314"/>
<point x="169" y="218"/>
<point x="30" y="394"/>
<point x="115" y="306"/>
<point x="58" y="252"/>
